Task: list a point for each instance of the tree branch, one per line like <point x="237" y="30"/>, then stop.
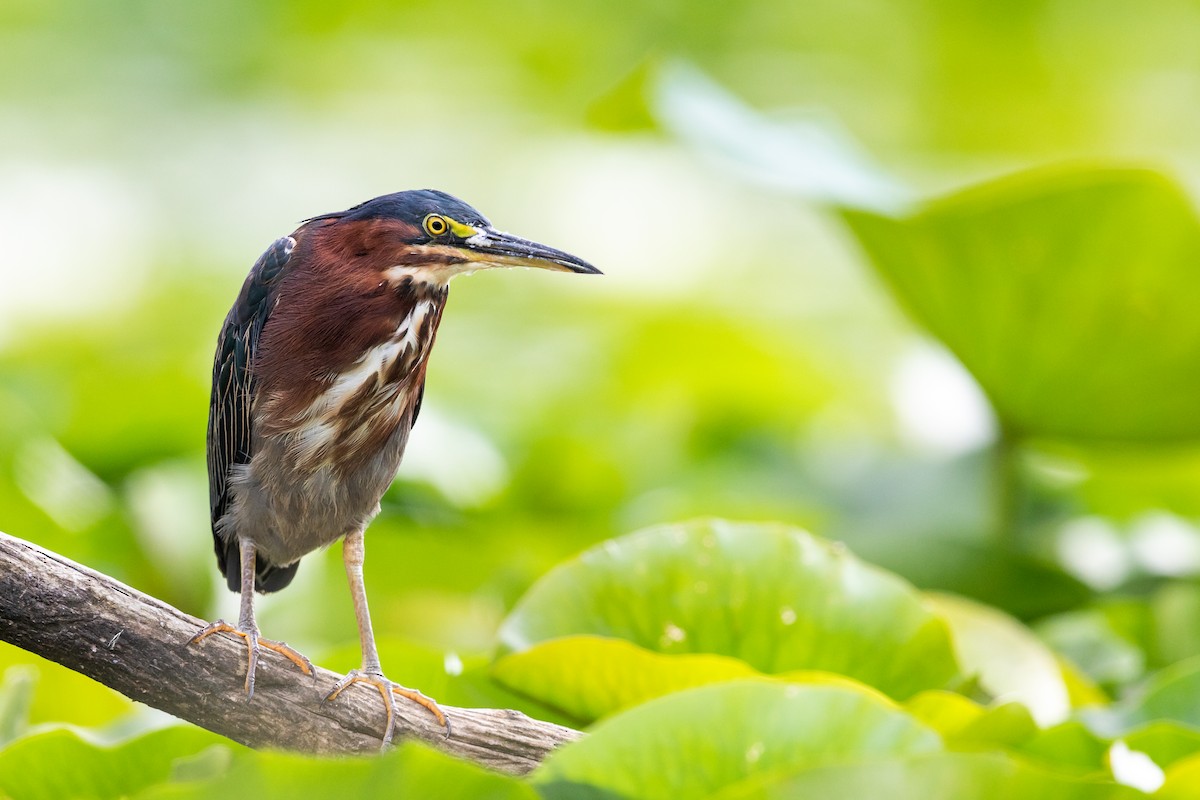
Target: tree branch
<point x="135" y="644"/>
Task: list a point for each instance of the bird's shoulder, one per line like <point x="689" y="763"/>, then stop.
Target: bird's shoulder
<point x="263" y="278"/>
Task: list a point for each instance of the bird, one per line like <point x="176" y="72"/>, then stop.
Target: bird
<point x="317" y="381"/>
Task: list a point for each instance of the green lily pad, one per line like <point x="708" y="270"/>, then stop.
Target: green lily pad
<point x="60" y="763"/>
<point x="774" y="597"/>
<point x="591" y="677"/>
<point x="694" y="743"/>
<point x="937" y="776"/>
<point x="1070" y="295"/>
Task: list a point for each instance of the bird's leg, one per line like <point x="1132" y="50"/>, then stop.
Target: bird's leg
<point x="353" y="553"/>
<point x="247" y="628"/>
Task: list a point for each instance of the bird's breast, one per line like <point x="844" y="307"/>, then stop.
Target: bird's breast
<point x="357" y="410"/>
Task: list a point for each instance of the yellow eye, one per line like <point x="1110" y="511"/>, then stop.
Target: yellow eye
<point x="436" y="225"/>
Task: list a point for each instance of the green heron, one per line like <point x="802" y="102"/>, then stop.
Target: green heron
<point x="317" y="381"/>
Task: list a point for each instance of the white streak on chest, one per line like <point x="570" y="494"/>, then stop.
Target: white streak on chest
<point x="317" y="427"/>
<point x="376" y="362"/>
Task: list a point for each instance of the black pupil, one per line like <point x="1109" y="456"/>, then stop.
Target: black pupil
<point x="437" y="225"/>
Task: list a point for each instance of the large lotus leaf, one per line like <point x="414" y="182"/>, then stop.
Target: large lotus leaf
<point x="775" y="597"/>
<point x="589" y="677"/>
<point x="693" y="743"/>
<point x="59" y="763"/>
<point x="1069" y="294"/>
<point x="937" y="776"/>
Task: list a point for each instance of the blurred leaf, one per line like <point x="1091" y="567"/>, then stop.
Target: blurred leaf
<point x="1029" y="278"/>
<point x="696" y="742"/>
<point x="1182" y="781"/>
<point x="1171" y="694"/>
<point x="1089" y="640"/>
<point x="16" y="696"/>
<point x="59" y="763"/>
<point x="946" y="712"/>
<point x="203" y="766"/>
<point x="63" y="695"/>
<point x="1118" y="638"/>
<point x="814" y="156"/>
<point x="1011" y="662"/>
<point x="1164" y="741"/>
<point x="937" y="776"/>
<point x="983" y="571"/>
<point x="964" y="723"/>
<point x="1069" y="744"/>
<point x="1082" y="691"/>
<point x="775" y="597"/>
<point x="590" y="677"/>
<point x="1175" y="610"/>
<point x="1122" y="481"/>
<point x="623" y="108"/>
<point x="409" y="770"/>
<point x="120" y="395"/>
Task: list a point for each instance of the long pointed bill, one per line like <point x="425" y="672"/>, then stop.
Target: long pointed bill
<point x="496" y="248"/>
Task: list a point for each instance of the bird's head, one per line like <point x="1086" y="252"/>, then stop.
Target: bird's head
<point x="431" y="236"/>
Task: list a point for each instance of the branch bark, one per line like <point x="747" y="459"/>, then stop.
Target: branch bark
<point x="135" y="644"/>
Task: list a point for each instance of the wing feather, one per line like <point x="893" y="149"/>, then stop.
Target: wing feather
<point x="230" y="439"/>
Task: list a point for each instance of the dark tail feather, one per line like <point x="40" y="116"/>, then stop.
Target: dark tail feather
<point x="271" y="578"/>
<point x="268" y="577"/>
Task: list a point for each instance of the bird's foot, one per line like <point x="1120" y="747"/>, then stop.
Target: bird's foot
<point x="253" y="643"/>
<point x="388" y="690"/>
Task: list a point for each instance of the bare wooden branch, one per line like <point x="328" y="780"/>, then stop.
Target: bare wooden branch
<point x="135" y="644"/>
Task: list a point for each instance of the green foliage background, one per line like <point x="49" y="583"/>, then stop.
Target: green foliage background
<point x="812" y="217"/>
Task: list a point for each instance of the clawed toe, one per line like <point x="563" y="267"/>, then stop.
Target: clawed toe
<point x="387" y="691"/>
<point x="253" y="643"/>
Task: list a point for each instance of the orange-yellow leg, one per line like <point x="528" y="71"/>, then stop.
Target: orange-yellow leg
<point x="247" y="628"/>
<point x="353" y="553"/>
